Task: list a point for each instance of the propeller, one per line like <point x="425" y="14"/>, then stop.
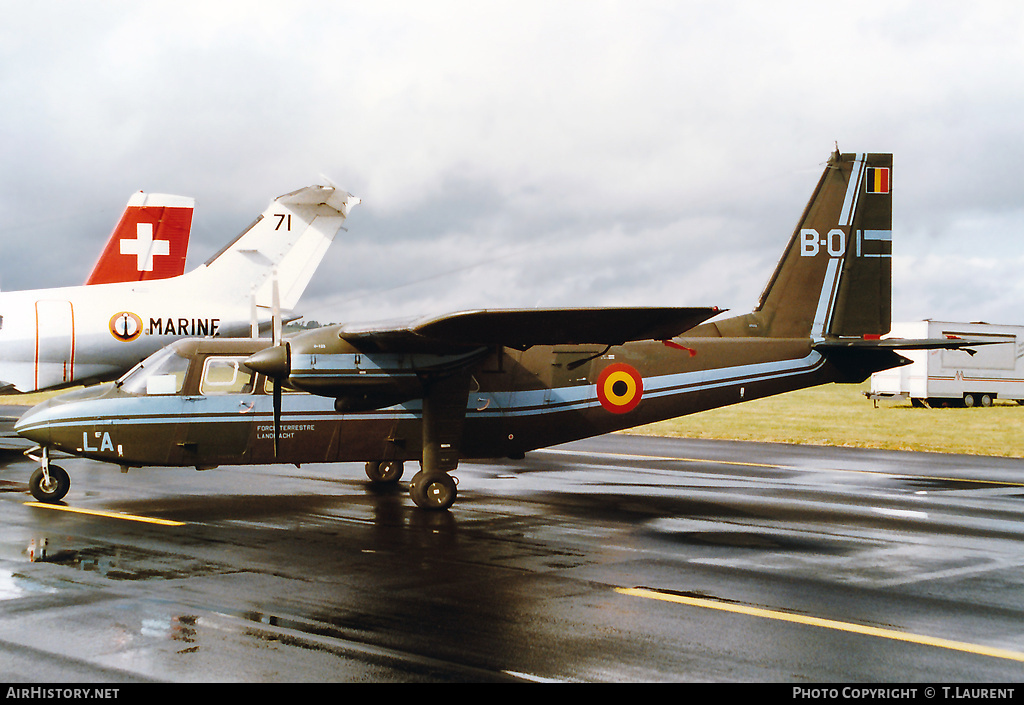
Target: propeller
<point x="276" y="322"/>
<point x="275" y="361"/>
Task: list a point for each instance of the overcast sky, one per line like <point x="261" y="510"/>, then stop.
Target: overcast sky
<point x="572" y="153"/>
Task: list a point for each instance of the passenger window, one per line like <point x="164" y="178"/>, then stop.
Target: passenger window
<point x="226" y="375"/>
<point x="268" y="387"/>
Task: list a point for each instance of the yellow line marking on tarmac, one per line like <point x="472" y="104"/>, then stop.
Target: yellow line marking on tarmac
<point x="109" y="515"/>
<point x="892" y="634"/>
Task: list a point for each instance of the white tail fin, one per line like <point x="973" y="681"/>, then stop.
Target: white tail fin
<point x="149" y="242"/>
<point x="290" y="238"/>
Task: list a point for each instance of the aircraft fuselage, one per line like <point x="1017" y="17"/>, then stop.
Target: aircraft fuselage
<point x="518" y="401"/>
<point x="55" y="337"/>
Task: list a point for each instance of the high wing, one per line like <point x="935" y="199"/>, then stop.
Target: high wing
<point x="321" y="359"/>
<point x="432" y="359"/>
<point x="524" y="328"/>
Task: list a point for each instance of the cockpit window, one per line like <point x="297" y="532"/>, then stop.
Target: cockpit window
<point x="226" y="375"/>
<point x="160" y="373"/>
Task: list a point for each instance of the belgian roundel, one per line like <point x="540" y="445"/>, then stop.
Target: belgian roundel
<point x="619" y="388"/>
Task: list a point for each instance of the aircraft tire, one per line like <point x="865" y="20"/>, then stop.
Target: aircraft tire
<point x="436" y="491"/>
<point x="385" y="471"/>
<point x="53" y="491"/>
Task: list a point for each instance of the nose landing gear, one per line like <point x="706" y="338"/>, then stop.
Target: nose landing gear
<point x="50" y="482"/>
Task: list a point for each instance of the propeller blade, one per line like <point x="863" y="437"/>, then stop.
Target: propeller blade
<point x="277" y="413"/>
<point x="275" y="363"/>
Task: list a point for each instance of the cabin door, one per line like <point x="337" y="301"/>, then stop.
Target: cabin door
<point x="54" y="343"/>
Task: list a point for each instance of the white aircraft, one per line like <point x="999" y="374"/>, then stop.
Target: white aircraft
<point x="149" y="242"/>
<point x="77" y="335"/>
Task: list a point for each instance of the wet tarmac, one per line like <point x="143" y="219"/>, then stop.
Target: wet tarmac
<point x="619" y="559"/>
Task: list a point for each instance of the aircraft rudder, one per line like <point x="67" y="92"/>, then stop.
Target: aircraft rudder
<point x="287" y="241"/>
<point x="864" y="300"/>
<point x="150" y="241"/>
<point x="835" y="275"/>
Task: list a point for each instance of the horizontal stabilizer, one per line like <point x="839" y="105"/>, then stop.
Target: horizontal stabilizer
<point x="524" y="328"/>
<point x="956" y="343"/>
<point x="339" y="200"/>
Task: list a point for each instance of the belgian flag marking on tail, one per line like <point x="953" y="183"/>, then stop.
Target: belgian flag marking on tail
<point x="877" y="179"/>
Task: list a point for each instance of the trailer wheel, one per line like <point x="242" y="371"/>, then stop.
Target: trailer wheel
<point x="986" y="400"/>
<point x="968" y="400"/>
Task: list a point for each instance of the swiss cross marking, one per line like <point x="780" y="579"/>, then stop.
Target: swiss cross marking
<point x="145" y="247"/>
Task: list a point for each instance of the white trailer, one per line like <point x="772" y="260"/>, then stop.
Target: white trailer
<point x="955" y="377"/>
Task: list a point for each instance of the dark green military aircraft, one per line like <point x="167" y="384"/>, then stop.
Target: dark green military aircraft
<point x="498" y="383"/>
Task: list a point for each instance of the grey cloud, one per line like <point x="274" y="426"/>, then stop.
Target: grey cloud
<point x="520" y="153"/>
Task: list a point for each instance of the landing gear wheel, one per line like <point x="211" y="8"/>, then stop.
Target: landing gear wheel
<point x="53" y="490"/>
<point x="435" y="491"/>
<point x="389" y="471"/>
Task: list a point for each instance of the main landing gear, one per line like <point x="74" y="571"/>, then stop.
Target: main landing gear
<point x="385" y="471"/>
<point x="444" y="410"/>
<point x="435" y="490"/>
<point x="429" y="490"/>
<point x="50" y="482"/>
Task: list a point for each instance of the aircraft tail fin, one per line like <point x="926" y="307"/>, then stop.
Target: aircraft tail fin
<point x="287" y="243"/>
<point x="149" y="242"/>
<point x="835" y="278"/>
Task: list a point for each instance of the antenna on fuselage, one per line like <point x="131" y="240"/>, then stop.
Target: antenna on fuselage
<point x="253" y="316"/>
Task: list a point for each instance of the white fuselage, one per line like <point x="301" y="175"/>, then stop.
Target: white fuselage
<point x="52" y="337"/>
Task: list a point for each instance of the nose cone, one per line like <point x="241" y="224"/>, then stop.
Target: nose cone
<point x="39" y="423"/>
<point x="34" y="425"/>
<point x="274" y="362"/>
